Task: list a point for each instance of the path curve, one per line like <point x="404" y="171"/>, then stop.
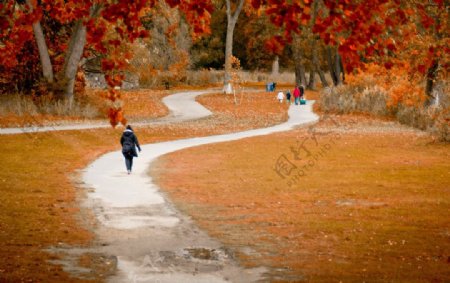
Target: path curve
<point x="182" y="107"/>
<point x="152" y="240"/>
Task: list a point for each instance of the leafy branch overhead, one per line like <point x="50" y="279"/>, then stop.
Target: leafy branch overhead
<point x="52" y="39"/>
<point x="364" y="30"/>
<point x="68" y="31"/>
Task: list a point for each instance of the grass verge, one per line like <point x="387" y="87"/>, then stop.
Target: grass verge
<point x="19" y="110"/>
<point x="370" y="201"/>
<point x="39" y="206"/>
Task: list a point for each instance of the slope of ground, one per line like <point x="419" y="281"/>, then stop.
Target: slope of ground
<point x="350" y="199"/>
<point x="39" y="207"/>
<point x="139" y="105"/>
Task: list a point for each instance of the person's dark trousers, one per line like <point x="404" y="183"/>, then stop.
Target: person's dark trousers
<point x="128" y="162"/>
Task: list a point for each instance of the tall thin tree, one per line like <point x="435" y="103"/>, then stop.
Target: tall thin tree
<point x="232" y="17"/>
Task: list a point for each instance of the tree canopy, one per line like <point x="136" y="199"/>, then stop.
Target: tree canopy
<point x="47" y="41"/>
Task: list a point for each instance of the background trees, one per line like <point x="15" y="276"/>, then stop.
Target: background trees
<point x="86" y="27"/>
<point x="358" y="32"/>
<point x="44" y="43"/>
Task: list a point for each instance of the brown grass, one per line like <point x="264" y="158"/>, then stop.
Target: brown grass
<point x="38" y="198"/>
<point x="144" y="104"/>
<point x="139" y="105"/>
<point x="368" y="97"/>
<point x="373" y="207"/>
<point x="251" y="106"/>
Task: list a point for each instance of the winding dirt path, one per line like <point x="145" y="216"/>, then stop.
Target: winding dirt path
<point x="152" y="240"/>
<point x="182" y="107"/>
<point x="137" y="226"/>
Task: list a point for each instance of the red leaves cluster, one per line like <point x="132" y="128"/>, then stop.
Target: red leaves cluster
<point x="116" y="22"/>
<point x="67" y="11"/>
<point x="275" y="45"/>
<point x="361" y="29"/>
<point x="116" y="116"/>
<point x="15" y="32"/>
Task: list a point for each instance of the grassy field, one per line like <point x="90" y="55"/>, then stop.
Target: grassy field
<point x="39" y="207"/>
<point x="138" y="105"/>
<point x="352" y="199"/>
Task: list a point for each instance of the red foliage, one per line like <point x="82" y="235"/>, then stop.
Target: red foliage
<point x="361" y="29"/>
<point x="58" y="17"/>
<point x="275" y="45"/>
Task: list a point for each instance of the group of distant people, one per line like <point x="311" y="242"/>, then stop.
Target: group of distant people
<point x="298" y="93"/>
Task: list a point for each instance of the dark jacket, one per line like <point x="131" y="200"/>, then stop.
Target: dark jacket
<point x="129" y="143"/>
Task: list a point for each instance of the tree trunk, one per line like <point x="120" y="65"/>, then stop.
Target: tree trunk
<point x="74" y="54"/>
<point x="431" y="77"/>
<point x="276" y="66"/>
<point x="323" y="80"/>
<point x="300" y="76"/>
<point x="47" y="69"/>
<point x="312" y="78"/>
<point x="73" y="57"/>
<point x="337" y="66"/>
<point x="331" y="67"/>
<point x="231" y="23"/>
<point x="316" y="65"/>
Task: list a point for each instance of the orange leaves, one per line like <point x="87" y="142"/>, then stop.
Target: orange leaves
<point x="390" y="44"/>
<point x="422" y="68"/>
<point x="116" y="117"/>
<point x="348" y="13"/>
<point x="256" y="3"/>
<point x="394" y="79"/>
<point x="198" y="14"/>
<point x="388" y="65"/>
<point x="440" y="3"/>
<point x="67" y="11"/>
<point x="96" y="31"/>
<point x="426" y="20"/>
<point x="115" y="110"/>
<point x="363" y="30"/>
<point x="275" y="45"/>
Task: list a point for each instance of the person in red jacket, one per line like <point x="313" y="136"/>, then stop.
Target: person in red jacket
<point x="296" y="95"/>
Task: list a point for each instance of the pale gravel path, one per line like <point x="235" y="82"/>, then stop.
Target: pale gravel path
<point x="144" y="230"/>
<point x="182" y="107"/>
<point x="136" y="223"/>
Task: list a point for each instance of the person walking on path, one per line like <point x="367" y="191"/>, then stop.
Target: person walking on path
<point x="297" y="95"/>
<point x="129" y="143"/>
<point x="302" y="91"/>
<point x="280" y="96"/>
<point x="288" y="97"/>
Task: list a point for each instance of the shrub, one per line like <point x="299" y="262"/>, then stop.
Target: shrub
<point x="345" y="99"/>
<point x="383" y="94"/>
<point x="21" y="105"/>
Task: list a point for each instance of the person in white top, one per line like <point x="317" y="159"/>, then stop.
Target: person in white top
<point x="280" y="96"/>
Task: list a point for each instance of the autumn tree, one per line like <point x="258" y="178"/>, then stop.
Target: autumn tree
<point x="89" y="24"/>
<point x="359" y="31"/>
<point x="314" y="42"/>
<point x="421" y="44"/>
<point x="208" y="51"/>
<point x="163" y="57"/>
<point x="253" y="30"/>
<point x="232" y="17"/>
